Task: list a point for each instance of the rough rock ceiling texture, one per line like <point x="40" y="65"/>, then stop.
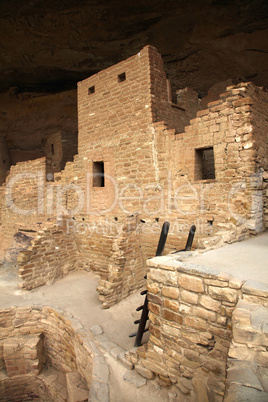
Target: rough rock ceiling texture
<point x="50" y="45"/>
<point x="46" y="46"/>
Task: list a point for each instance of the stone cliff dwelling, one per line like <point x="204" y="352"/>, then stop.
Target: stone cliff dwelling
<point x="80" y="221"/>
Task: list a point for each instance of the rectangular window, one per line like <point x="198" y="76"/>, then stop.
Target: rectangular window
<point x="91" y="90"/>
<point x="122" y="77"/>
<point x="98" y="174"/>
<point x="204" y="164"/>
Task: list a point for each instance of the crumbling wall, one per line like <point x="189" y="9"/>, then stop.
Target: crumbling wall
<point x="64" y="349"/>
<point x="178" y="113"/>
<point x="228" y="206"/>
<point x="51" y="255"/>
<point x="126" y="269"/>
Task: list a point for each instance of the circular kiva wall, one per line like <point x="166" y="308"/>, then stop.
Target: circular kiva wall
<point x="42" y="357"/>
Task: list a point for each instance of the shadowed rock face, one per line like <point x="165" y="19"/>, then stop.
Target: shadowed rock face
<point x="47" y="46"/>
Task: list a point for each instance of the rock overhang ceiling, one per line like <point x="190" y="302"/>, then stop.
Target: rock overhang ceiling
<point x="49" y="46"/>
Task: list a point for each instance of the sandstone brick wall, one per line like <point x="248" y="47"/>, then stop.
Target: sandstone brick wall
<point x="20" y="196"/>
<point x="126" y="270"/>
<point x="24" y="355"/>
<point x="155" y="169"/>
<point x="64" y="348"/>
<point x="51" y="256"/>
<point x="229" y="206"/>
<point x="190" y="313"/>
<point x="177" y="115"/>
<point x="29" y="388"/>
<point x="116" y="105"/>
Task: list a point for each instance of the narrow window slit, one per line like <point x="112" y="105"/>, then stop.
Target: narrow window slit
<point x="98" y="174"/>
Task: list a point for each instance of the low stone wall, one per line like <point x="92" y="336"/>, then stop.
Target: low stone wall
<point x="62" y="348"/>
<point x="51" y="255"/>
<point x="190" y="312"/>
<point x="27" y="388"/>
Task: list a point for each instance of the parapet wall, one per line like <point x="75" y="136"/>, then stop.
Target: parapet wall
<point x="191" y="327"/>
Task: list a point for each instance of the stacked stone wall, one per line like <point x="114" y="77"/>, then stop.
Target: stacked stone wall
<point x="191" y="329"/>
<point x="178" y="114"/>
<point x="228" y="207"/>
<point x="22" y="205"/>
<point x="51" y="255"/>
<point x="64" y="349"/>
<point x="152" y="171"/>
<point x="126" y="271"/>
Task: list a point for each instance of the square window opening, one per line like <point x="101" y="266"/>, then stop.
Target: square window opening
<point x="91" y="90"/>
<point x="98" y="174"/>
<point x="122" y="77"/>
<point x="204" y="164"/>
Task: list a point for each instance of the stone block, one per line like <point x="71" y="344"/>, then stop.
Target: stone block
<point x="154" y="299"/>
<point x="195" y="322"/>
<point x="191" y="283"/>
<point x="144" y="372"/>
<point x="166" y="277"/>
<point x="189" y="297"/>
<point x="223" y="294"/>
<point x="183" y="308"/>
<point x="172" y="331"/>
<point x="172" y="305"/>
<point x="171" y="292"/>
<point x="255" y="288"/>
<point x="210" y="304"/>
<point x="153" y="288"/>
<point x="154" y="308"/>
<point x="124" y="361"/>
<point x="155" y="367"/>
<point x="172" y="316"/>
<point x="241" y="373"/>
<point x="203" y="313"/>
